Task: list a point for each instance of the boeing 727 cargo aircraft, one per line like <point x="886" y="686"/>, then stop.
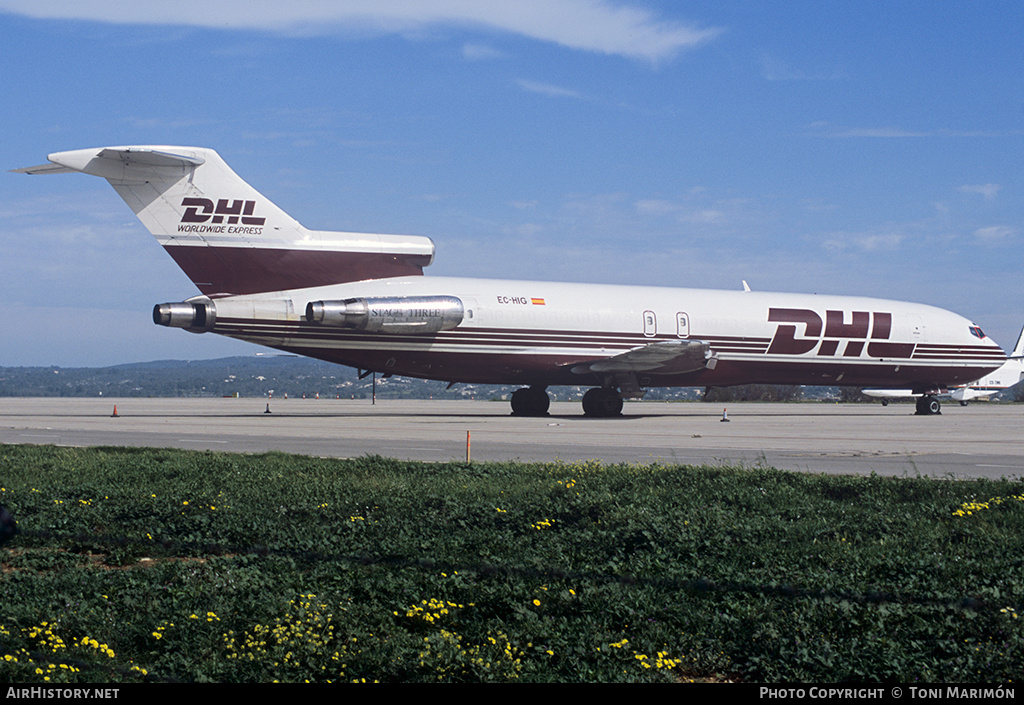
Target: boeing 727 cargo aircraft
<point x="361" y="300"/>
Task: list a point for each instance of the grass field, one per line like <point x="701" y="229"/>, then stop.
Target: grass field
<point x="166" y="565"/>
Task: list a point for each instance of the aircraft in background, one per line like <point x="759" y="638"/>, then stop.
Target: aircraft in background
<point x="1011" y="373"/>
<point x="361" y="300"/>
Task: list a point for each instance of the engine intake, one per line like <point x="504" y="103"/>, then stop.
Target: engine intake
<point x="398" y="315"/>
<point x="194" y="316"/>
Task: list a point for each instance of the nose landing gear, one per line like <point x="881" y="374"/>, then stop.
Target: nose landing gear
<point x="928" y="406"/>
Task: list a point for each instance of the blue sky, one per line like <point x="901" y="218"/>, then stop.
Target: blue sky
<point x="867" y="148"/>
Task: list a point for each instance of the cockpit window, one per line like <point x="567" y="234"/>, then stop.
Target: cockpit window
<point x="977" y="332"/>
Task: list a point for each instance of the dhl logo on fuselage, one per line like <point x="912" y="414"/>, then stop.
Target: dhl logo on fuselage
<point x="856" y="328"/>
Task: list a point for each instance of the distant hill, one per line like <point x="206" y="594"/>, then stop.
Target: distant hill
<point x="255" y="376"/>
<point x="281" y="375"/>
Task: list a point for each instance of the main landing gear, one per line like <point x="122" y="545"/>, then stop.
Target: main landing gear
<point x="602" y="402"/>
<point x="597" y="402"/>
<point x="530" y="401"/>
<point x="928" y="406"/>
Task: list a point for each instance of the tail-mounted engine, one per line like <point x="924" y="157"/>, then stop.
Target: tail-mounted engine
<point x="196" y="315"/>
<point x="400" y="315"/>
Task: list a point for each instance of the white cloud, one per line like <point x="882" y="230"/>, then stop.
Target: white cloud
<point x="986" y="191"/>
<point x="481" y="52"/>
<point x="827" y="129"/>
<point x="884" y="242"/>
<point x="774" y="69"/>
<point x="864" y="242"/>
<point x="547" y="89"/>
<point x="587" y="25"/>
<point x="836" y="131"/>
<point x="656" y="206"/>
<point x="994" y="234"/>
<point x="706" y="216"/>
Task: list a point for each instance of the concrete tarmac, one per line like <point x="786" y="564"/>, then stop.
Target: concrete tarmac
<point x="980" y="440"/>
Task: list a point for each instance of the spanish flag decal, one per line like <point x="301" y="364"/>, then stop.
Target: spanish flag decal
<point x="537" y="302"/>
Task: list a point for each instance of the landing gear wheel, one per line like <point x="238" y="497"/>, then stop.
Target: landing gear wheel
<point x="530" y="401"/>
<point x="602" y="402"/>
<point x="928" y="406"/>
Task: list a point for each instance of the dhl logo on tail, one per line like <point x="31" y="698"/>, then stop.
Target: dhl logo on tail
<point x="202" y="210"/>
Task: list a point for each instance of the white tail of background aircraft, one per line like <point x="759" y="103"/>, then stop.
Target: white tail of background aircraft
<point x="361" y="300"/>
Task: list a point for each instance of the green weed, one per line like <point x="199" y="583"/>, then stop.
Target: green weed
<point x="148" y="564"/>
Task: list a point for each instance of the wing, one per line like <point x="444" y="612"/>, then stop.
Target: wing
<point x="668" y="357"/>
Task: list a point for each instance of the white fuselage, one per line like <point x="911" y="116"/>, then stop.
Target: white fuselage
<point x="536" y="333"/>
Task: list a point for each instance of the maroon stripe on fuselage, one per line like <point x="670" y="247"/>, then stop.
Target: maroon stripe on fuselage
<point x="485" y="336"/>
<point x="504" y="367"/>
<point x="252" y="270"/>
<point x="540" y="356"/>
<point x="298" y="332"/>
<point x="964" y="352"/>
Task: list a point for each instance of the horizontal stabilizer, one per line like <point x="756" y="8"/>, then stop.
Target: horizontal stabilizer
<point x="118" y="164"/>
<point x="43" y="169"/>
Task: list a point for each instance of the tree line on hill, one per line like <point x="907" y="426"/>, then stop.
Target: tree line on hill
<point x="280" y="376"/>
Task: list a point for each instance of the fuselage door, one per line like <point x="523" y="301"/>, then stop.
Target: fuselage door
<point x="682" y="325"/>
<point x="650" y="324"/>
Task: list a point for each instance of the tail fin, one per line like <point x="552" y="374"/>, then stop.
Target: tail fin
<point x="1018" y="349"/>
<point x="226" y="236"/>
